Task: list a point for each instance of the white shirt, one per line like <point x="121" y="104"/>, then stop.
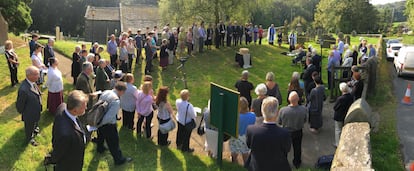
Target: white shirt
<point x="73" y="118"/>
<point x="182" y="109"/>
<point x="54" y="80"/>
<point x="37" y="60"/>
<point x="32" y="84"/>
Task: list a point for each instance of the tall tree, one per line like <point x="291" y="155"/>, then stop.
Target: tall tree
<point x="346" y="16"/>
<point x="17" y="14"/>
<point x="409" y="12"/>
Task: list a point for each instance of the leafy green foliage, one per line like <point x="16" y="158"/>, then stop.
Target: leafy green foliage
<point x="17" y="14"/>
<point x="346" y="16"/>
<point x="409" y="12"/>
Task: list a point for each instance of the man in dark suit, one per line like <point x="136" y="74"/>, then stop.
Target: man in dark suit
<point x="29" y="104"/>
<point x="269" y="143"/>
<point x="83" y="82"/>
<point x="307" y="74"/>
<point x="222" y="33"/>
<point x="48" y="52"/>
<point x="229" y="34"/>
<point x="68" y="136"/>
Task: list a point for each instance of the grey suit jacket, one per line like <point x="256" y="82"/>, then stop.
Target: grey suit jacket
<point x="29" y="102"/>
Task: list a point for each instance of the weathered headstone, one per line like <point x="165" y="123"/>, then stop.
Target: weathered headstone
<point x="4" y="29"/>
<point x="360" y="111"/>
<point x="353" y="151"/>
<point x="57" y="33"/>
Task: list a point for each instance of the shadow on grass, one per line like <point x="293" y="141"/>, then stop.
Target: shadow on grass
<point x="169" y="160"/>
<point x="12" y="149"/>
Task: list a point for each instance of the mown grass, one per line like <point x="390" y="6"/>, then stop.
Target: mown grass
<point x="215" y="65"/>
<point x="408" y="39"/>
<point x="386" y="154"/>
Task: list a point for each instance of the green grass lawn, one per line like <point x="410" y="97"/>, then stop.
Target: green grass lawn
<point x="408" y="39"/>
<point x="215" y="65"/>
<point x="386" y="153"/>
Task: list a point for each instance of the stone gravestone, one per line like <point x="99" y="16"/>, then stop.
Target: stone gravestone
<point x="4" y="29"/>
<point x="360" y="111"/>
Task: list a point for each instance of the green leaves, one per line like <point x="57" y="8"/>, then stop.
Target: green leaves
<point x="17" y="14"/>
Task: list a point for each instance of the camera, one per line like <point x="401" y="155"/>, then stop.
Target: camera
<point x="183" y="59"/>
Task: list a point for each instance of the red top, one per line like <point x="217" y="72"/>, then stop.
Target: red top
<point x="260" y="32"/>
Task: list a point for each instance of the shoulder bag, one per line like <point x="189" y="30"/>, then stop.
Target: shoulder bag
<point x="191" y="125"/>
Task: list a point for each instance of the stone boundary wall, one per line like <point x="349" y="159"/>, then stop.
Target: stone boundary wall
<point x="354" y="150"/>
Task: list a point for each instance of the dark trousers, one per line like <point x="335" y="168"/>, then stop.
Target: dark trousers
<point x="124" y="66"/>
<point x="148" y="120"/>
<point x="297" y="146"/>
<point x="13" y="76"/>
<point x="148" y="65"/>
<point x="330" y="81"/>
<point x="162" y="138"/>
<point x="128" y="119"/>
<point x="183" y="137"/>
<point x="260" y="40"/>
<point x="201" y="44"/>
<point x="240" y="38"/>
<point x="113" y="61"/>
<point x="236" y="39"/>
<point x="189" y="48"/>
<point x="228" y="41"/>
<point x="139" y="52"/>
<point x="222" y="36"/>
<point x="130" y="59"/>
<point x="29" y="127"/>
<point x="109" y="133"/>
<point x="217" y="41"/>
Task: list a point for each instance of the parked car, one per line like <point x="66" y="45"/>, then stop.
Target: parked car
<point x="391" y="41"/>
<point x="392" y="50"/>
<point x="404" y="62"/>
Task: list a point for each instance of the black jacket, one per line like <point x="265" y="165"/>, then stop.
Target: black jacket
<point x="48" y="53"/>
<point x="68" y="144"/>
<point x="342" y="105"/>
<point x="269" y="146"/>
<point x="29" y="102"/>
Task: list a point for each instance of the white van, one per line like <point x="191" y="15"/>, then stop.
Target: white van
<point x="404" y="62"/>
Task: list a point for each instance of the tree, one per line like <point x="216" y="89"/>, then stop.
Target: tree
<point x="346" y="16"/>
<point x="409" y="12"/>
<point x="17" y="14"/>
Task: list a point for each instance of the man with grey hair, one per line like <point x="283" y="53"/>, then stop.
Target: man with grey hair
<point x="29" y="104"/>
<point x="269" y="143"/>
<point x="83" y="83"/>
<point x="293" y="117"/>
<point x="341" y="107"/>
<point x="245" y="87"/>
<point x="68" y="134"/>
<point x="48" y="52"/>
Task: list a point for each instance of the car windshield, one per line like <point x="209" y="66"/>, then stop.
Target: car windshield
<point x="396" y="48"/>
<point x="393" y="41"/>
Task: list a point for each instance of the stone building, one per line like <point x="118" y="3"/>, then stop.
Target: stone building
<point x="100" y="22"/>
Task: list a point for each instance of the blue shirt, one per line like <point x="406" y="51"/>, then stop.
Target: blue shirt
<point x="245" y="120"/>
<point x="337" y="55"/>
<point x="138" y="41"/>
<point x="332" y="62"/>
<point x="341" y="47"/>
<point x="372" y="52"/>
<point x="112" y="47"/>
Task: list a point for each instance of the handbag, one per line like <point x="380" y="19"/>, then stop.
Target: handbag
<point x="200" y="129"/>
<point x="191" y="125"/>
<point x="167" y="126"/>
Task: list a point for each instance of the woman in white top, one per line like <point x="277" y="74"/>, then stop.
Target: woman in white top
<point x="37" y="61"/>
<point x="55" y="86"/>
<point x="131" y="53"/>
<point x="185" y="115"/>
<point x="165" y="112"/>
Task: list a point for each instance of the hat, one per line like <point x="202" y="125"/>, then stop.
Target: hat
<point x="118" y="74"/>
<point x="244" y="51"/>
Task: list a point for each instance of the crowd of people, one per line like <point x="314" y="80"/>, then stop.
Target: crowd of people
<point x="97" y="79"/>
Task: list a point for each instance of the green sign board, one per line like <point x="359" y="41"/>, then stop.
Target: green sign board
<point x="224" y="114"/>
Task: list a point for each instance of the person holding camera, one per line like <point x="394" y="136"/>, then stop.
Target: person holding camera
<point x="68" y="136"/>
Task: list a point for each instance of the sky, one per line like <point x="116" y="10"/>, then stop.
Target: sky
<point x="378" y="2"/>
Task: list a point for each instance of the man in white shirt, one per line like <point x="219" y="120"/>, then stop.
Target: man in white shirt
<point x="185" y="115"/>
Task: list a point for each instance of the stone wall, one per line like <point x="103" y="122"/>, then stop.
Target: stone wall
<point x="353" y="153"/>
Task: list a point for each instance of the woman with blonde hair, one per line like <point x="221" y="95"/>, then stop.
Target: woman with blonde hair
<point x="273" y="87"/>
<point x="12" y="62"/>
<point x="238" y="145"/>
<point x="256" y="107"/>
<point x="144" y="108"/>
